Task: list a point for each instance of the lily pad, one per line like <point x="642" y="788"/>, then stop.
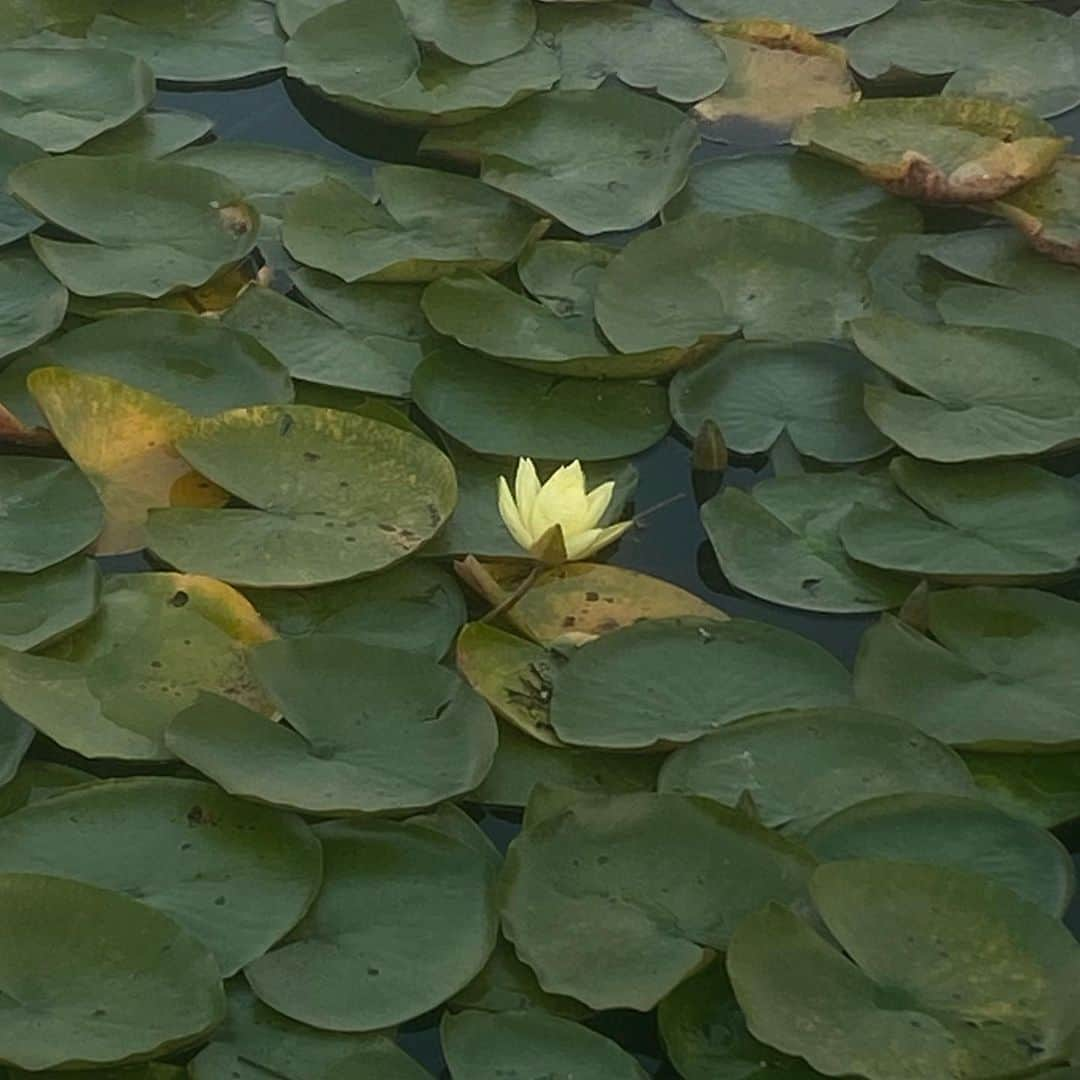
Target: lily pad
<point x="905" y="282"/>
<point x="417" y="737"/>
<point x="1041" y="788"/>
<point x="596" y="160"/>
<point x="15" y="220"/>
<point x="807" y="189"/>
<point x="331" y="226"/>
<point x="495" y="409"/>
<point x="471" y="31"/>
<point x="937" y="149"/>
<point x="646" y="49"/>
<point x="48" y="511"/>
<point x="1019" y="53"/>
<point x="152" y="134"/>
<point x="950" y="974"/>
<point x="1001" y="523"/>
<point x="416" y="606"/>
<point x="317" y="350"/>
<point x="194" y="363"/>
<point x="88" y="91"/>
<point x="123" y="440"/>
<point x="801" y="767"/>
<point x="330" y="495"/>
<point x="16" y="735"/>
<point x="256" y="1042"/>
<point x="991" y="675"/>
<point x="674" y="680"/>
<point x="951" y="830"/>
<point x="198" y="41"/>
<point x="481" y="1045"/>
<point x="137" y="987"/>
<point x="111" y="688"/>
<point x="32" y="301"/>
<point x="614" y="900"/>
<point x="363" y="54"/>
<point x="36" y="609"/>
<point x="779" y="73"/>
<point x="1047" y="211"/>
<point x="757" y="392"/>
<point x="708" y="277"/>
<point x="236" y="877"/>
<point x="823" y="17"/>
<point x="39" y="780"/>
<point x="148" y="227"/>
<point x="970" y="394"/>
<point x="781" y="541"/>
<point x="405" y="919"/>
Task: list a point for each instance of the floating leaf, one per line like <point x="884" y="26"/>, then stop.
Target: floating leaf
<point x="36" y="609"/>
<point x="405" y="919"/>
<point x="39" y="780"/>
<point x="992" y="676"/>
<point x="596" y="160"/>
<point x="614" y="900"/>
<point x="418" y="737"/>
<point x="136" y="987"/>
<point x="16" y="735"/>
<point x="1041" y="788"/>
<point x="478" y="1045"/>
<point x="1002" y="523"/>
<point x="801" y="767"/>
<point x="823" y="17"/>
<point x="88" y="91"/>
<point x="951" y="830"/>
<point x="32" y="301"/>
<point x="237" y="877"/>
<point x="708" y="277"/>
<point x="779" y="73"/>
<point x="153" y="134"/>
<point x="331" y="495"/>
<point x="950" y="974"/>
<point x="112" y="687"/>
<point x="781" y="541"/>
<point x="475" y="32"/>
<point x="495" y="409"/>
<point x="905" y="282"/>
<point x="1047" y="211"/>
<point x="674" y="680"/>
<point x="15" y="220"/>
<point x="935" y="149"/>
<point x="148" y="227"/>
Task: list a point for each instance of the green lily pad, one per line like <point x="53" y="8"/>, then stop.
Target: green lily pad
<point x="32" y="301"/>
<point x="88" y="91"/>
<point x="482" y="1045"/>
<point x="971" y="394"/>
<point x="405" y="919"/>
<point x="15" y="220"/>
<point x="950" y="975"/>
<point x="39" y="780"/>
<point x="203" y="42"/>
<point x="152" y="134"/>
<point x="905" y="282"/>
<point x="781" y="541"/>
<point x="496" y="409"/>
<point x="421" y="737"/>
<point x="48" y="512"/>
<point x="823" y="17"/>
<point x="1041" y="788"/>
<point x="951" y="830"/>
<point x="148" y="227"/>
<point x="1047" y="211"/>
<point x="256" y="1042"/>
<point x="317" y="350"/>
<point x="111" y="688"/>
<point x="614" y="900"/>
<point x="150" y="1071"/>
<point x="16" y="735"/>
<point x="1019" y="53"/>
<point x="195" y="363"/>
<point x="993" y="675"/>
<point x="708" y="277"/>
<point x="317" y="518"/>
<point x="674" y="680"/>
<point x="983" y="305"/>
<point x="937" y="149"/>
<point x="704" y="1033"/>
<point x="984" y="523"/>
<point x="646" y="49"/>
<point x="365" y="55"/>
<point x="416" y="606"/>
<point x="596" y="160"/>
<point x="36" y="609"/>
<point x="137" y="987"/>
<point x="331" y="226"/>
<point x="801" y="767"/>
<point x="812" y="190"/>
<point x="235" y="876"/>
<point x="757" y="392"/>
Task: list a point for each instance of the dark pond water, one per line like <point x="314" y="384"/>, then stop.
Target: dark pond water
<point x="671" y="542"/>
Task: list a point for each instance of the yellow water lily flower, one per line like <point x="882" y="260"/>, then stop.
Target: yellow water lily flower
<point x="557" y="521"/>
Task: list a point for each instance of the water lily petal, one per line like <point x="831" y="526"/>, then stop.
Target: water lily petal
<point x="598" y="500"/>
<point x="509" y="512"/>
<point x="590" y="541"/>
<point x="526" y="487"/>
<point x="561" y="501"/>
